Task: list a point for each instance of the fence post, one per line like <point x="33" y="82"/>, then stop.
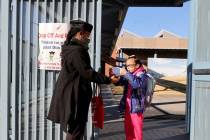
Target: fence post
<point x="5" y="58"/>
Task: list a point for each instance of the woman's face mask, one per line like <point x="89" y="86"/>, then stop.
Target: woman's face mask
<point x="86" y="40"/>
<point x="85" y="37"/>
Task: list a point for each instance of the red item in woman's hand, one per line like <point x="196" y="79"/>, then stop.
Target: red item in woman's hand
<point x="111" y="72"/>
<point x="98" y="111"/>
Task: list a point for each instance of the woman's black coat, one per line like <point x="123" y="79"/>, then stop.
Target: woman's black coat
<point x="73" y="92"/>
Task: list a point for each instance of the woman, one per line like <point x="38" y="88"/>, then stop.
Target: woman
<point x="72" y="93"/>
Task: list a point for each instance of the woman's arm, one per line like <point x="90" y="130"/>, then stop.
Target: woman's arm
<point x="80" y="60"/>
<point x="118" y="80"/>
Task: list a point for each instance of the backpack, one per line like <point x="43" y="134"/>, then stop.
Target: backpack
<point x="150" y="84"/>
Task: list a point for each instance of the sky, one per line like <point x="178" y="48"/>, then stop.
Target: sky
<point x="148" y="21"/>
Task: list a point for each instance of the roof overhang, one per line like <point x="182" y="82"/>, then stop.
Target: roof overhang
<point x="113" y="15"/>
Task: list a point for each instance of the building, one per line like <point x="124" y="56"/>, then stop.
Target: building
<point x="164" y="44"/>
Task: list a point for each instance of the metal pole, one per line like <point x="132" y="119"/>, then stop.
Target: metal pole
<point x="35" y="75"/>
<point x="98" y="50"/>
<point x="98" y="33"/>
<point x="14" y="89"/>
<point x="191" y="58"/>
<point x="42" y="132"/>
<point x="5" y="70"/>
<point x="27" y="91"/>
<point x="20" y="71"/>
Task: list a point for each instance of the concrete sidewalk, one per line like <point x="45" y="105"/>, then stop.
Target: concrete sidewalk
<point x="158" y="125"/>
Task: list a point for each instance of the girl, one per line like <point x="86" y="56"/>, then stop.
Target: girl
<point x="133" y="98"/>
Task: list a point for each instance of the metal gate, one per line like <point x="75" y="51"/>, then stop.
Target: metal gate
<point x="199" y="57"/>
<point x="25" y="90"/>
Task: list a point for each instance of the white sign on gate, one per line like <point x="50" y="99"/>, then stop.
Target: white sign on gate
<point x="51" y="38"/>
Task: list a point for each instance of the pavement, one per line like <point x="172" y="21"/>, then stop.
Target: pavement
<point x="164" y="120"/>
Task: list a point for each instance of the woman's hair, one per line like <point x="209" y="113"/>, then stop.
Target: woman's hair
<point x="137" y="61"/>
<point x="75" y="27"/>
<point x="72" y="32"/>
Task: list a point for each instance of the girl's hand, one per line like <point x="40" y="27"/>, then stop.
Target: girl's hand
<point x="123" y="71"/>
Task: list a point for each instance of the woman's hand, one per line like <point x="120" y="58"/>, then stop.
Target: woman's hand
<point x="114" y="79"/>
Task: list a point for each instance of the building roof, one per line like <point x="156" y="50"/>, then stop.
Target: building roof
<point x="128" y="33"/>
<point x="163" y="40"/>
<point x="166" y="34"/>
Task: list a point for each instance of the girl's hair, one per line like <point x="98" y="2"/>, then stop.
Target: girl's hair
<point x="137" y="61"/>
<point x="75" y="27"/>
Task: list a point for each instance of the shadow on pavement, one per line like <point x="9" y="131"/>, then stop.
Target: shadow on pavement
<point x="178" y="137"/>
